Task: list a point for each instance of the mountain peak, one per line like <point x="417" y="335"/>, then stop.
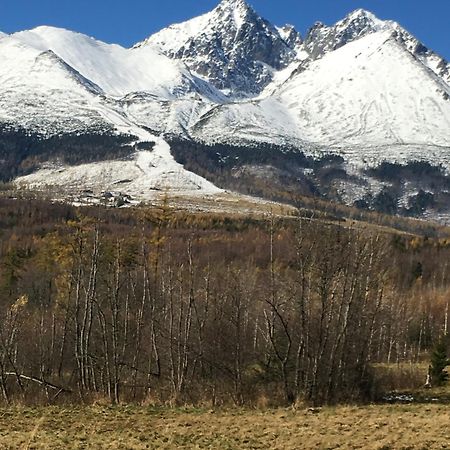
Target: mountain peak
<point x="234" y="4"/>
<point x="322" y="39"/>
<point x="50" y="31"/>
<point x="236" y="11"/>
<point x="231" y="46"/>
<point x="46" y="37"/>
<point x="362" y="19"/>
<point x="290" y="35"/>
<point x="360" y="12"/>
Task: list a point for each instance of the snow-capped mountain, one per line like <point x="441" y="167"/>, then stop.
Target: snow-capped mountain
<point x="410" y="108"/>
<point x="322" y="39"/>
<point x="348" y="100"/>
<point x="363" y="90"/>
<point x="56" y="80"/>
<point x="40" y="91"/>
<point x="116" y="70"/>
<point x="55" y="83"/>
<point x="232" y="47"/>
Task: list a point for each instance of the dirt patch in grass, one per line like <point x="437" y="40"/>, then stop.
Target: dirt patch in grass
<point x="372" y="427"/>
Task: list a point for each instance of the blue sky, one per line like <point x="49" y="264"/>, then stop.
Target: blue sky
<point x="127" y="22"/>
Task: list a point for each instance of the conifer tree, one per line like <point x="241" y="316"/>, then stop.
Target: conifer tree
<point x="439" y="361"/>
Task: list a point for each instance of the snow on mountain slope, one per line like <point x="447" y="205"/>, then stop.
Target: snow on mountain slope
<point x="144" y="177"/>
<point x="246" y="123"/>
<point x="322" y="39"/>
<point x="348" y="102"/>
<point x="232" y="47"/>
<point x="43" y="94"/>
<point x="364" y="88"/>
<point x="429" y="58"/>
<point x="118" y="71"/>
<point x="40" y="92"/>
<point x="89" y="73"/>
<point x="351" y="98"/>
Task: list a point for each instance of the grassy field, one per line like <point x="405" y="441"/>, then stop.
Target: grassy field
<point x="98" y="427"/>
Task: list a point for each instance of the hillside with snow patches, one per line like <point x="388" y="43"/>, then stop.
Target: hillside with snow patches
<point x="364" y="89"/>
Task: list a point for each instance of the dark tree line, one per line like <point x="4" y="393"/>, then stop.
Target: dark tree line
<point x="228" y="166"/>
<point x="22" y="152"/>
<point x="282" y="173"/>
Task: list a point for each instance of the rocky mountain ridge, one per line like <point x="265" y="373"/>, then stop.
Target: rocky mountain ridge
<point x="362" y="92"/>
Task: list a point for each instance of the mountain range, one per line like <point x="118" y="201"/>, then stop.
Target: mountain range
<point x="356" y="112"/>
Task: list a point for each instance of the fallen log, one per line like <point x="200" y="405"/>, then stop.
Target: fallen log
<point x="37" y="380"/>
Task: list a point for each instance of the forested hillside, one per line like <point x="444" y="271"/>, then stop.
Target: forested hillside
<point x="22" y="152"/>
<point x="283" y="172"/>
<point x="166" y="306"/>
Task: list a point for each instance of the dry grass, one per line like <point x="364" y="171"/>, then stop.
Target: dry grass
<point x="371" y="427"/>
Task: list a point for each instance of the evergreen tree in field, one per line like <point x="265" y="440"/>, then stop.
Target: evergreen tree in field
<point x="439" y="361"/>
